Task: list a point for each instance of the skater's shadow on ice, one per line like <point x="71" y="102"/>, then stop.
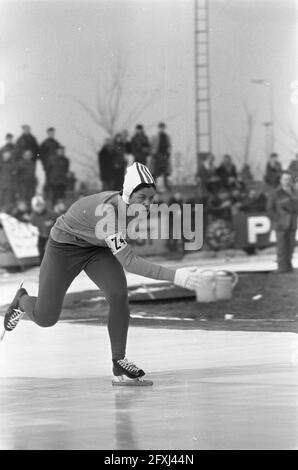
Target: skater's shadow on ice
<point x="128" y="404"/>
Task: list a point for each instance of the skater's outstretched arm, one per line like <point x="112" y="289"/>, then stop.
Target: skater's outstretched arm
<point x="133" y="263"/>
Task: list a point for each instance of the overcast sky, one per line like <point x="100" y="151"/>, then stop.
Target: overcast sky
<point x="54" y="53"/>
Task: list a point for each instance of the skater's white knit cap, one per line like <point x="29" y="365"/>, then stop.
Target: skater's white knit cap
<point x="136" y="174"/>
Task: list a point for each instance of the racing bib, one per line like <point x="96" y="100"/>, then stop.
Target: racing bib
<point x="116" y="242"/>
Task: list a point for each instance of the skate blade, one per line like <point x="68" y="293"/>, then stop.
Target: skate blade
<point x="126" y="382"/>
<point x="2" y="335"/>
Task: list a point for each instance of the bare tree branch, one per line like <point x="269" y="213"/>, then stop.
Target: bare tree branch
<point x="250" y="123"/>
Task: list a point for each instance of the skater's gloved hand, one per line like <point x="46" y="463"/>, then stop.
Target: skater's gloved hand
<point x="187" y="278"/>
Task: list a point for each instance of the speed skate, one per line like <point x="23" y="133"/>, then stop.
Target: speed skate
<point x="123" y="381"/>
<point x="127" y="374"/>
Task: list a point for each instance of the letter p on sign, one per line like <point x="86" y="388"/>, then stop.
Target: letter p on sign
<point x="258" y="225"/>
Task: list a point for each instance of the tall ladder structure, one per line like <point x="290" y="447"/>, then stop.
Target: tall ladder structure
<point x="202" y="80"/>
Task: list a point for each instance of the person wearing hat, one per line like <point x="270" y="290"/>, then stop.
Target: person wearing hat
<point x="27" y="141"/>
<point x="161" y="153"/>
<point x="48" y="147"/>
<point x="94" y="235"/>
<point x="140" y="145"/>
<point x="9" y="144"/>
<point x="282" y="207"/>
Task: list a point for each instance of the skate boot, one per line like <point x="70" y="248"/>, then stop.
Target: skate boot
<point x="128" y="374"/>
<point x="13" y="313"/>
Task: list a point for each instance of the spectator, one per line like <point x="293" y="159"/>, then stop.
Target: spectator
<point x="43" y="219"/>
<point x="9" y="145"/>
<point x="7" y="180"/>
<point x="71" y="182"/>
<point x="48" y="148"/>
<point x="161" y="153"/>
<point x="273" y="171"/>
<point x="126" y="142"/>
<point x="26" y="180"/>
<point x="210" y="181"/>
<point x="220" y="205"/>
<point x="106" y="157"/>
<point x="254" y="201"/>
<point x="140" y="145"/>
<point x="119" y="162"/>
<point x="246" y="174"/>
<point x="27" y="141"/>
<point x="283" y="209"/>
<point x="227" y="173"/>
<point x="21" y="212"/>
<point x="58" y="167"/>
<point x="293" y="167"/>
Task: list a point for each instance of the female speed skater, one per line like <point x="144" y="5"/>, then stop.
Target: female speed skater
<point x="77" y="243"/>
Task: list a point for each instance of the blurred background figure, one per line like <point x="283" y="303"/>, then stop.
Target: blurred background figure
<point x="26" y="180"/>
<point x="161" y="152"/>
<point x="282" y="209"/>
<point x="48" y="149"/>
<point x="254" y="201"/>
<point x="27" y="141"/>
<point x="106" y="157"/>
<point x="119" y="162"/>
<point x="9" y="145"/>
<point x="58" y="168"/>
<point x="210" y="181"/>
<point x="293" y="167"/>
<point x="140" y="145"/>
<point x="7" y="181"/>
<point x="21" y="211"/>
<point x="43" y="219"/>
<point x="227" y="173"/>
<point x="273" y="171"/>
<point x="126" y="141"/>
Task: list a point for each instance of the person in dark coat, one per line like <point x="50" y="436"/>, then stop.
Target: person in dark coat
<point x="43" y="219"/>
<point x="293" y="167"/>
<point x="282" y="209"/>
<point x="140" y="145"/>
<point x="254" y="201"/>
<point x="106" y="157"/>
<point x="7" y="180"/>
<point x="21" y="211"/>
<point x="119" y="162"/>
<point x="209" y="179"/>
<point x="27" y="141"/>
<point x="48" y="147"/>
<point x="9" y="145"/>
<point x="273" y="171"/>
<point x="25" y="176"/>
<point x="58" y="167"/>
<point x="161" y="153"/>
<point x="227" y="173"/>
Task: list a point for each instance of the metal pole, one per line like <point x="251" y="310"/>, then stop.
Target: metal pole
<point x="196" y="81"/>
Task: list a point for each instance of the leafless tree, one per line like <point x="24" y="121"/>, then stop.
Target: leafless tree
<point x="249" y="128"/>
<point x="110" y="112"/>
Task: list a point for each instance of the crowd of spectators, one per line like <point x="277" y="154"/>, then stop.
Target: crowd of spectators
<point x="222" y="189"/>
<point x="117" y="153"/>
<point x="18" y="158"/>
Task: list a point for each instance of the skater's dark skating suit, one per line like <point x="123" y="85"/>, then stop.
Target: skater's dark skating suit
<point x="73" y="247"/>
